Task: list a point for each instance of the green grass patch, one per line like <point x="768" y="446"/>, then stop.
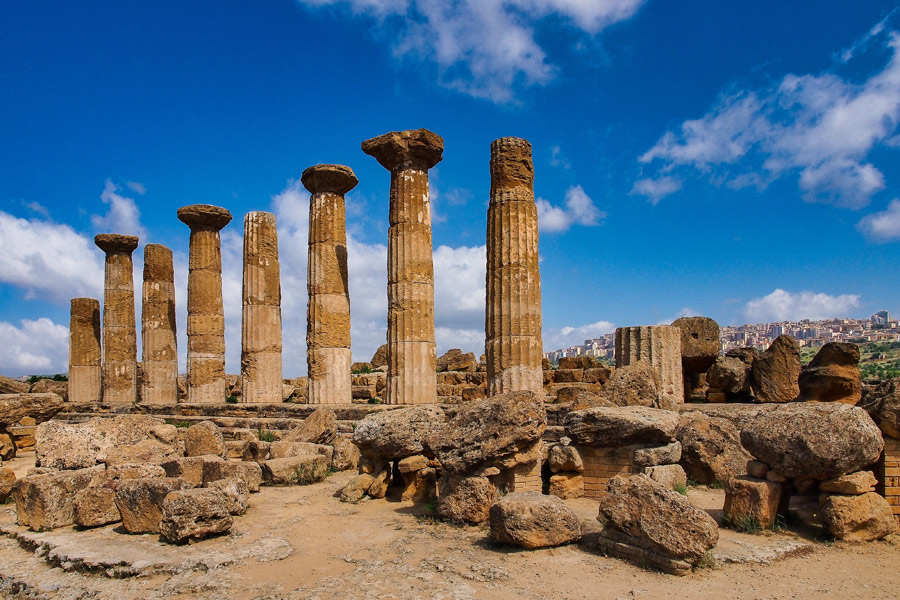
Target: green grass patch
<point x="232" y="399"/>
<point x="681" y="489"/>
<point x="745" y="524"/>
<point x="265" y="435"/>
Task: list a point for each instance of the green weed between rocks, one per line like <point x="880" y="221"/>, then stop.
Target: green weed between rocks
<point x="177" y="423"/>
<point x="681" y="489"/>
<point x="232" y="399"/>
<point x="744" y="524"/>
<point x="708" y="561"/>
<point x="265" y="435"/>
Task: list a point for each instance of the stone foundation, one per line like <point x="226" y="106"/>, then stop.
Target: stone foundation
<point x="601" y="465"/>
<point x="888" y="474"/>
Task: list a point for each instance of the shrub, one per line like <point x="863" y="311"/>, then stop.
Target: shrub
<point x="265" y="435"/>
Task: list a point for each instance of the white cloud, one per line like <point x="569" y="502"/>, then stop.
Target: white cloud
<point x="819" y="127"/>
<point x="564" y="337"/>
<point x="782" y="305"/>
<point x="656" y="189"/>
<point x="48" y="260"/>
<point x="123" y="215"/>
<point x="579" y="209"/>
<point x="34" y="348"/>
<point x="38" y="209"/>
<point x="453" y="34"/>
<point x="137" y="187"/>
<point x="882" y="226"/>
<point x="558" y="159"/>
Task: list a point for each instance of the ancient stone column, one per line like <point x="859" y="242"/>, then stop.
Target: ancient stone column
<point x="84" y="351"/>
<point x="261" y="315"/>
<point x="513" y="346"/>
<point x="159" y="359"/>
<point x="660" y="346"/>
<point x="119" y="335"/>
<point x="206" y="315"/>
<point x="328" y="312"/>
<point x="411" y="347"/>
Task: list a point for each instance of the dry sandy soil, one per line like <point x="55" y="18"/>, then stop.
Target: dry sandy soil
<point x="302" y="542"/>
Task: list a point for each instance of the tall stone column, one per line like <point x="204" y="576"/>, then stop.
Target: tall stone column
<point x="411" y="347"/>
<point x="206" y="315"/>
<point x="513" y="346"/>
<point x="328" y="312"/>
<point x="119" y="335"/>
<point x="84" y="351"/>
<point x="261" y="314"/>
<point x="160" y="354"/>
<point x="660" y="346"/>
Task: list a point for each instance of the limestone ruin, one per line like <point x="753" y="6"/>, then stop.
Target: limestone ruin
<point x="159" y="356"/>
<point x="84" y="351"/>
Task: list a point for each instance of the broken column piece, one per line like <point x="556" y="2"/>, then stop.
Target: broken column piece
<point x="159" y="359"/>
<point x="84" y="351"/>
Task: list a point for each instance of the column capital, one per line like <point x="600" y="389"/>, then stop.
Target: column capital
<point x="414" y="148"/>
<point x="114" y="243"/>
<point x="511" y="163"/>
<point x="204" y="216"/>
<point x="334" y="179"/>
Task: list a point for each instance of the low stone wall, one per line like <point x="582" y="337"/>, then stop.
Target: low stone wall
<point x="888" y="474"/>
<point x="601" y="465"/>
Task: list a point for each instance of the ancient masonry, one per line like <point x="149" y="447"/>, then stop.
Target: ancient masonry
<point x="84" y="351"/>
<point x="411" y="345"/>
<point x="119" y="335"/>
<point x="513" y="321"/>
<point x="261" y="315"/>
<point x="328" y="311"/>
<point x="889" y="477"/>
<point x="159" y="353"/>
<point x="660" y="346"/>
<point x="206" y="316"/>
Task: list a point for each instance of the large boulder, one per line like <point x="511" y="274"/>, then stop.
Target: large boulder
<point x="711" y="448"/>
<point x="396" y="434"/>
<point x="204" y="438"/>
<point x="502" y="432"/>
<point x="699" y="343"/>
<point x="533" y="520"/>
<point x="861" y="518"/>
<point x="731" y="375"/>
<point x="302" y="469"/>
<point x="345" y="455"/>
<point x="248" y="472"/>
<point x="190" y="468"/>
<point x="637" y="384"/>
<point x="882" y="402"/>
<point x="609" y="427"/>
<point x="47" y="501"/>
<point x="455" y="360"/>
<point x="9" y="385"/>
<point x="751" y="502"/>
<point x="380" y="358"/>
<point x="140" y="501"/>
<point x="813" y="440"/>
<point x="75" y="446"/>
<point x="466" y="500"/>
<point x="51" y="386"/>
<point x="776" y="372"/>
<point x="95" y="505"/>
<point x="318" y="428"/>
<point x="7" y="483"/>
<point x="194" y="514"/>
<point x="149" y="451"/>
<point x="40" y="407"/>
<point x="833" y="375"/>
<point x="656" y="518"/>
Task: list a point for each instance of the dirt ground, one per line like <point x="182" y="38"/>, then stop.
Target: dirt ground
<point x="302" y="542"/>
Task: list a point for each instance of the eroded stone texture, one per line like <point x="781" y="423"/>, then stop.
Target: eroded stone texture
<point x="513" y="282"/>
<point x="659" y="345"/>
<point x="206" y="316"/>
<point x="84" y="351"/>
<point x="159" y="360"/>
<point x="328" y="313"/>
<point x="411" y="347"/>
<point x="261" y="316"/>
<point x="119" y="335"/>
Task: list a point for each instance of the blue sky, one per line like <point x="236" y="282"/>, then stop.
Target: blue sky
<point x="736" y="160"/>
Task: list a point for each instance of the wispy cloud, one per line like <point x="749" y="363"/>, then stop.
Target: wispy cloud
<point x="782" y="305"/>
<point x="123" y="215"/>
<point x="579" y="208"/>
<point x="820" y="128"/>
<point x="483" y="48"/>
<point x="563" y="337"/>
<point x="558" y="159"/>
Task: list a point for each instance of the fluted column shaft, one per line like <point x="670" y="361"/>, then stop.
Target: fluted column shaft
<point x="84" y="351"/>
<point x="660" y="347"/>
<point x="412" y="353"/>
<point x="513" y="346"/>
<point x="158" y="336"/>
<point x="261" y="315"/>
<point x="119" y="334"/>
<point x="328" y="313"/>
<point x="206" y="314"/>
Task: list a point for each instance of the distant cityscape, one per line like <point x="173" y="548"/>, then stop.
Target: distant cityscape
<point x="880" y="327"/>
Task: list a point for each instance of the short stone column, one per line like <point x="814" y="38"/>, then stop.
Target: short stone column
<point x="119" y="335"/>
<point x="159" y="359"/>
<point x="660" y="346"/>
<point x="412" y="353"/>
<point x="513" y="346"/>
<point x="206" y="315"/>
<point x="328" y="313"/>
<point x="84" y="351"/>
<point x="261" y="314"/>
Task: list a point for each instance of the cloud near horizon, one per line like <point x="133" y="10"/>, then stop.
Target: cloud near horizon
<point x="819" y="128"/>
<point x="451" y="34"/>
<point x="782" y="305"/>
